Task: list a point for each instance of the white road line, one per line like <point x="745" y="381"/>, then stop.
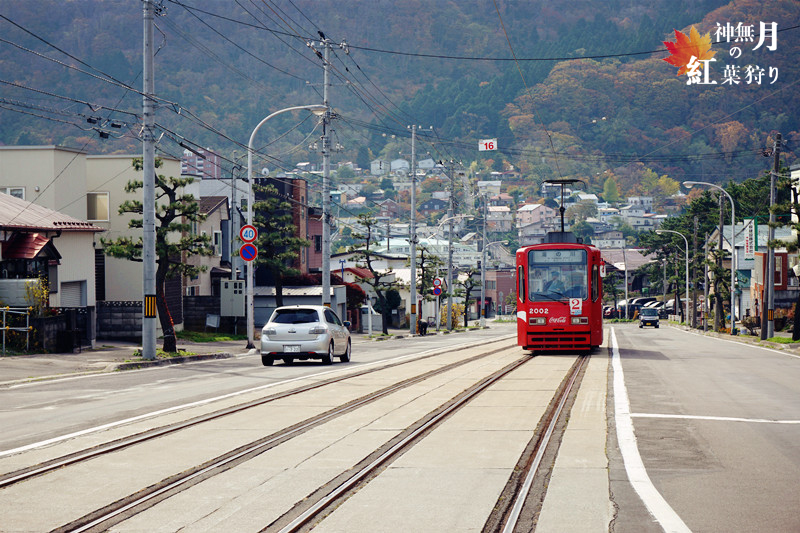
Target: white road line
<point x="637" y="475"/>
<point x="145" y="416"/>
<point x="715" y="418"/>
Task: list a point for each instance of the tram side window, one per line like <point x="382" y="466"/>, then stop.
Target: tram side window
<point x="521" y="284"/>
<point x="595" y="283"/>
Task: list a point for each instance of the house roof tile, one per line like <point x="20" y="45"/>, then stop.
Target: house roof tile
<point x="16" y="214"/>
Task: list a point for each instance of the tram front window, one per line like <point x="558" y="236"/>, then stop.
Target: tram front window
<point x="557" y="274"/>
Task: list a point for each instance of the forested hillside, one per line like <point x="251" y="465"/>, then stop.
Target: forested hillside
<point x="589" y="96"/>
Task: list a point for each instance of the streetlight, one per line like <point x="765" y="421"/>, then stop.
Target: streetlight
<point x="318" y="110"/>
<point x="688" y="185"/>
<point x="483" y="280"/>
<point x="660" y="231"/>
<point x="450" y="264"/>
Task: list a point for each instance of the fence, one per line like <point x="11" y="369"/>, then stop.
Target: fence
<point x="27" y="329"/>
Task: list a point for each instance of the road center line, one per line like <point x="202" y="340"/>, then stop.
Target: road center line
<point x="637" y="475"/>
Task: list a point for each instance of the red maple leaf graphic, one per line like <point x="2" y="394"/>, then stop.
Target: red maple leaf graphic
<point x="686" y="46"/>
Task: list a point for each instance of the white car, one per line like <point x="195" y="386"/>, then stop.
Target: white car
<point x="305" y="332"/>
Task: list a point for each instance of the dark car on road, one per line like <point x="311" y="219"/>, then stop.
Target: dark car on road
<point x="648" y="317"/>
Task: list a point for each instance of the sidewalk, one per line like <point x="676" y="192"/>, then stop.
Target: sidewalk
<point x="111" y="356"/>
<point x="106" y="357"/>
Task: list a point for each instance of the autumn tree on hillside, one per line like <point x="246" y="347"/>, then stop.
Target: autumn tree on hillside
<point x="175" y="215"/>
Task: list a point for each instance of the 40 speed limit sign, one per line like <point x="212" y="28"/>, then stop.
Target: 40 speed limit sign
<point x="248" y="233"/>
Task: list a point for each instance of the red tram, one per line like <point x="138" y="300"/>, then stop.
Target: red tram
<point x="559" y="297"/>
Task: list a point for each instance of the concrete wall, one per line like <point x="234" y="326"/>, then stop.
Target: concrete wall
<point x="119" y="321"/>
<point x="14" y="292"/>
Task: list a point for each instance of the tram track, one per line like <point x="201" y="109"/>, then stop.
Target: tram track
<point x="314" y="507"/>
<point x="123" y="507"/>
<point x="44" y="467"/>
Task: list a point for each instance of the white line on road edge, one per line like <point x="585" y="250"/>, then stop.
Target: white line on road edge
<point x="145" y="416"/>
<point x="637" y="475"/>
<point x="715" y="418"/>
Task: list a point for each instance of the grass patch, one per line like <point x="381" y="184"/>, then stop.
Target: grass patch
<point x="161" y="354"/>
<point x="207" y="336"/>
<point x="782" y="340"/>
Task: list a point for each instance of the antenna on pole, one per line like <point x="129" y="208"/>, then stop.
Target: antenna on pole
<point x="562" y="182"/>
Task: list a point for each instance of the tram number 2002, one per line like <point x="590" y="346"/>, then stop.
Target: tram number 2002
<point x="540" y="310"/>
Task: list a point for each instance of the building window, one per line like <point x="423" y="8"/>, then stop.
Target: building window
<point x="97" y="206"/>
<point x="317" y="243"/>
<point x="218" y="243"/>
<point x="16" y="192"/>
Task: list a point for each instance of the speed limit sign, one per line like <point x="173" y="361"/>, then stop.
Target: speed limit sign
<point x="248" y="233"/>
<point x="437" y="282"/>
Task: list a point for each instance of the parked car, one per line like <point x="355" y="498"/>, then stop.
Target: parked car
<point x="305" y="332"/>
<point x="610" y="311"/>
<point x="648" y="317"/>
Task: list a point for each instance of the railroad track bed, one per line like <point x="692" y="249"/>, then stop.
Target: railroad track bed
<point x="278" y="463"/>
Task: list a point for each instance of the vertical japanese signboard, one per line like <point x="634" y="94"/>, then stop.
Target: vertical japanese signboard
<point x="750" y="238"/>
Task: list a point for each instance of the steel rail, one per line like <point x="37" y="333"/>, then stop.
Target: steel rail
<point x="23" y="474"/>
<point x="541" y="446"/>
<point x="324" y="502"/>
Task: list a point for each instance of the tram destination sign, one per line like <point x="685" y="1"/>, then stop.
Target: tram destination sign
<point x="558" y="256"/>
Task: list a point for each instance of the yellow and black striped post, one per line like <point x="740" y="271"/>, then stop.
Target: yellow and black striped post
<point x="149" y="306"/>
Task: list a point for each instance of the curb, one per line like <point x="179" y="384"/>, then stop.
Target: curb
<point x="169" y="361"/>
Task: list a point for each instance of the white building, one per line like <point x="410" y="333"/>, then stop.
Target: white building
<point x="489" y="188"/>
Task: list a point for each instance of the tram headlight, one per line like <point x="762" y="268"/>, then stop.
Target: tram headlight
<point x="537" y="321"/>
<point x="577" y="320"/>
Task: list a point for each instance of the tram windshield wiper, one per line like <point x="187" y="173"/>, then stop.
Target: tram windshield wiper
<point x="548" y="296"/>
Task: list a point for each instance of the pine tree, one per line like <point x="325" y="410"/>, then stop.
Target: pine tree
<point x="175" y="215"/>
<point x="278" y="244"/>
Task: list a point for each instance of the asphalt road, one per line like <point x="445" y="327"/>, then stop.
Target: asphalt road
<point x="718" y="428"/>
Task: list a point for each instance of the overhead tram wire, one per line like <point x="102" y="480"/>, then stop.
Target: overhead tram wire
<point x="527" y="88"/>
<point x="450" y="57"/>
<point x="241" y="48"/>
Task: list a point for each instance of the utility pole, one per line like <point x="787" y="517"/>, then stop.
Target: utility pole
<point x="149" y="188"/>
<point x="482" y="306"/>
<point x="233" y="217"/>
<point x="719" y="314"/>
<point x="625" y="265"/>
<point x="771" y="250"/>
<point x="705" y="284"/>
<point x="450" y="209"/>
<point x="694" y="285"/>
<point x="326" y="184"/>
<point x="413" y="230"/>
